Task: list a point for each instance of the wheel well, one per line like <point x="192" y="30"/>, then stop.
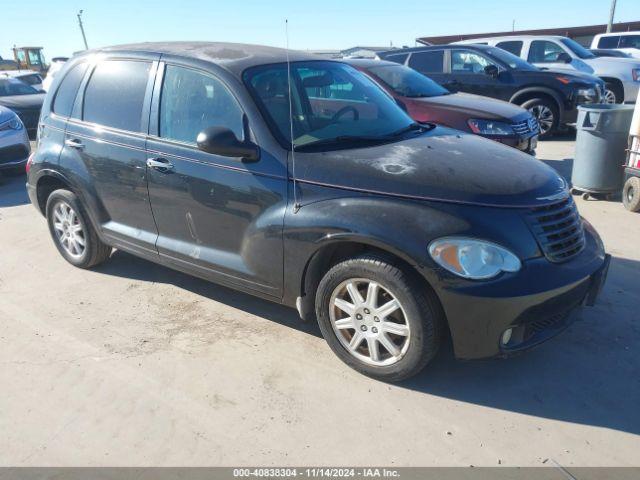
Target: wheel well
<point x="618" y="84"/>
<point x="328" y="256"/>
<point x="45" y="187"/>
<point x="525" y="97"/>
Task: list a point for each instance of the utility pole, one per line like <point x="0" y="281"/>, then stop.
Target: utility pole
<point x="84" y="37"/>
<point x="611" y="15"/>
<point x="513" y="26"/>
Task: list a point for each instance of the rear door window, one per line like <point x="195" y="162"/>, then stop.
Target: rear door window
<point x="608" y="42"/>
<point x="511" y="46"/>
<point x="115" y="94"/>
<point x="192" y="101"/>
<point x="66" y="94"/>
<point x="427" y="62"/>
<point x="629" y="41"/>
<point x="544" y="51"/>
<point x="465" y="61"/>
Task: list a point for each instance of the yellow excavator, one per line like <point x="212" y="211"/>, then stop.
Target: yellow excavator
<point x="26" y="58"/>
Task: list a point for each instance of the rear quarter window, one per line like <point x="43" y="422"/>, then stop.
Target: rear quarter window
<point x="427" y="62"/>
<point x="511" y="46"/>
<point x="398" y="58"/>
<point x="66" y="94"/>
<point x="608" y="42"/>
<point x="115" y="94"/>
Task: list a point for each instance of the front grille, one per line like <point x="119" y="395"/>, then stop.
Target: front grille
<point x="13" y="153"/>
<point x="540" y="325"/>
<point x="525" y="127"/>
<point x="558" y="228"/>
<point x="29" y="118"/>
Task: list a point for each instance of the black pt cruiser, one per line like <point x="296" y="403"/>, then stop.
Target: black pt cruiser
<point x="318" y="193"/>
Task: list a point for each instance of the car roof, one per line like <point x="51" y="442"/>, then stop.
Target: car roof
<point x="234" y="57"/>
<point x="618" y="34"/>
<point x="510" y="37"/>
<point x="434" y="47"/>
<point x="369" y="62"/>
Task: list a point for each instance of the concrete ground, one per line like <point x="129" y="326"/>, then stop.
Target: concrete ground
<point x="135" y="364"/>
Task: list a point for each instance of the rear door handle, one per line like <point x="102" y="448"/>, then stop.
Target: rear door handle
<point x="160" y="164"/>
<point x="74" y="143"/>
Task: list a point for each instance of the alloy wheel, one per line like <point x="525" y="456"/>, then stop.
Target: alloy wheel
<point x="369" y="321"/>
<point x="609" y="97"/>
<point x="68" y="229"/>
<point x="545" y="117"/>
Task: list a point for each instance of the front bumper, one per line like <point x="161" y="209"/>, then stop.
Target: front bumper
<point x="537" y="302"/>
<point x="14" y="148"/>
<point x="630" y="91"/>
<point x="524" y="144"/>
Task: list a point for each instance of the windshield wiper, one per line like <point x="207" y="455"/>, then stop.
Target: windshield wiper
<point x="340" y="140"/>
<point x="411" y="127"/>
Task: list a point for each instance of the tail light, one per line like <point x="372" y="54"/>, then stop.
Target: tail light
<point x="29" y="162"/>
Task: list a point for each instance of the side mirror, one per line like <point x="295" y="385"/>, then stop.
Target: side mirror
<point x="564" y="57"/>
<point x="492" y="71"/>
<point x="222" y="141"/>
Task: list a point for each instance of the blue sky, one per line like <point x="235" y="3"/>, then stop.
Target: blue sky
<point x="322" y="24"/>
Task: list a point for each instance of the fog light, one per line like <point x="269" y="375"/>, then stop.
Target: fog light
<point x="506" y="336"/>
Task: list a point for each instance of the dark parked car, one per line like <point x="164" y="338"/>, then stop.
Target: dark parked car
<point x="552" y="97"/>
<point x="388" y="232"/>
<point x="426" y="101"/>
<point x="24" y="100"/>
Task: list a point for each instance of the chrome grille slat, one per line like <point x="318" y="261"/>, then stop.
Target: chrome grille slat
<point x="558" y="229"/>
<point x="525" y="127"/>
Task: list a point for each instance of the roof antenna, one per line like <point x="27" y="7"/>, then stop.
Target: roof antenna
<point x="296" y="204"/>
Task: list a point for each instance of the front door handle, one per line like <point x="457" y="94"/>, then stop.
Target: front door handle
<point x="74" y="143"/>
<point x="160" y="164"/>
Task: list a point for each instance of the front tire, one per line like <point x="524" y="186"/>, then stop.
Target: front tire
<point x="631" y="194"/>
<point x="378" y="318"/>
<point x="612" y="94"/>
<point x="72" y="232"/>
<point x="547" y="114"/>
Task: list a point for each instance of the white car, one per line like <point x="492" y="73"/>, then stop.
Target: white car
<point x="14" y="141"/>
<point x="621" y="75"/>
<point x="628" y="42"/>
<point x="29" y="77"/>
<point x="56" y="65"/>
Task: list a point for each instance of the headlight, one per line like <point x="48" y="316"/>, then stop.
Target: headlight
<point x="474" y="259"/>
<point x="490" y="127"/>
<point x="587" y="92"/>
<point x="635" y="74"/>
<point x="13" y="124"/>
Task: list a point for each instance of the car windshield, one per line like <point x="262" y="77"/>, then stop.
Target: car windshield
<point x="510" y="59"/>
<point x="407" y="82"/>
<point x="332" y="104"/>
<point x="576" y="48"/>
<point x="12" y="86"/>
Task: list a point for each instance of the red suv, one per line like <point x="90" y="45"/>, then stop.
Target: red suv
<point x="426" y="101"/>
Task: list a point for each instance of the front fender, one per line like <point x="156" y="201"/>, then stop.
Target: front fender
<point x="539" y="89"/>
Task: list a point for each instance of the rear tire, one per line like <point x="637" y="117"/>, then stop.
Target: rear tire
<point x="631" y="194"/>
<point x="72" y="232"/>
<point x="547" y="113"/>
<point x="387" y="344"/>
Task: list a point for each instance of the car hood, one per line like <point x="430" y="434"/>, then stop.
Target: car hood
<point x="614" y="61"/>
<point x="23" y="101"/>
<point x="442" y="165"/>
<point x="474" y="105"/>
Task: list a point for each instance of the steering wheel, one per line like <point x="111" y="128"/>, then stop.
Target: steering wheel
<point x="343" y="110"/>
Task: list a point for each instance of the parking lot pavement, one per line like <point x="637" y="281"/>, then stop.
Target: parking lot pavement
<point x="134" y="364"/>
